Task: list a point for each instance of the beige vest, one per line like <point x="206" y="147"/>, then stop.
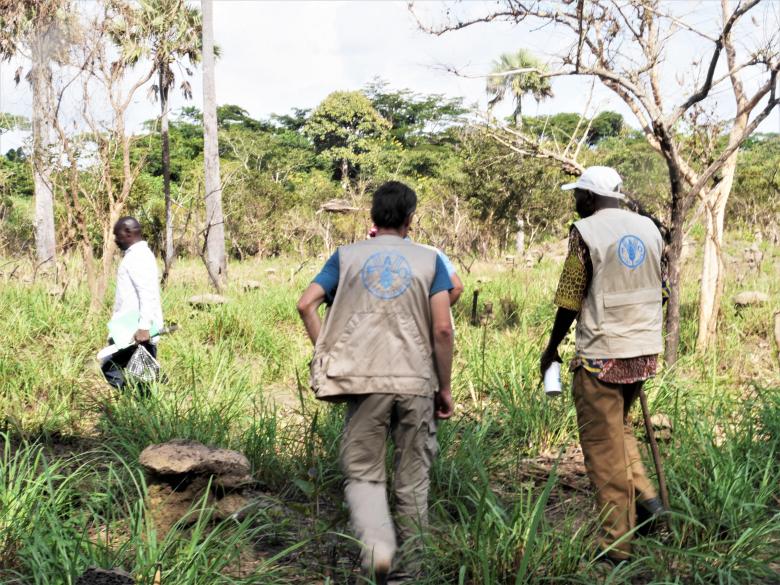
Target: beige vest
<point x="621" y="314"/>
<point x="377" y="336"/>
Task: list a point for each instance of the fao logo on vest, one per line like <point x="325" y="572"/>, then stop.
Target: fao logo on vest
<point x="386" y="275"/>
<point x="631" y="251"/>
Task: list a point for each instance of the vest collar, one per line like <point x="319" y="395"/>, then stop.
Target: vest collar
<point x="607" y="209"/>
<point x="388" y="238"/>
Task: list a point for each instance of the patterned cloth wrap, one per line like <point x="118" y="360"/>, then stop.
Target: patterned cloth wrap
<point x="572" y="288"/>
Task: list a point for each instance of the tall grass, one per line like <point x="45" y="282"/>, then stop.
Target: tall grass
<point x="56" y="524"/>
<point x="27" y="479"/>
<point x="236" y="377"/>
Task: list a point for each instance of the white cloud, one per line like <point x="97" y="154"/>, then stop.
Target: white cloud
<point x="280" y="55"/>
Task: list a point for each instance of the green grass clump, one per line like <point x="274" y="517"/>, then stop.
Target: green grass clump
<point x="506" y="507"/>
<point x="27" y="481"/>
<point x="89" y="510"/>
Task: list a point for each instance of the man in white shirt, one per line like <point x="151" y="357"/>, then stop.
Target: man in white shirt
<point x="137" y="290"/>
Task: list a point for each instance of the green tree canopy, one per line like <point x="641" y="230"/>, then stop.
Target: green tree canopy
<point x="344" y="128"/>
<point x="567" y="126"/>
<point x="415" y="118"/>
<point x="605" y="125"/>
<point x="232" y="115"/>
<point x="294" y="121"/>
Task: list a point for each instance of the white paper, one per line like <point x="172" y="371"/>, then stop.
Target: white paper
<point x="107" y="352"/>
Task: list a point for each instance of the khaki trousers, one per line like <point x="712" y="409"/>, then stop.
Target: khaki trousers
<point x="409" y="421"/>
<point x="612" y="456"/>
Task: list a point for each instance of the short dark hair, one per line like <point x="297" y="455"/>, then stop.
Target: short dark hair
<point x="393" y="202"/>
<point x="128" y="223"/>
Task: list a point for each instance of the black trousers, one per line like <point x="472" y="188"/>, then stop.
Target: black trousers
<point x="114" y="368"/>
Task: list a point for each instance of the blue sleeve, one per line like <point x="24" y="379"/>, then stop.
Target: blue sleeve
<point x="447" y="263"/>
<point x="328" y="278"/>
<point x="441" y="279"/>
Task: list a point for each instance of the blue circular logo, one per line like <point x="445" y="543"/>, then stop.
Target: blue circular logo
<point x="631" y="251"/>
<point x="386" y="275"/>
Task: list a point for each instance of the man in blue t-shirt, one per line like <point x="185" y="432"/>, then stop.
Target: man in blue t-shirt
<point x="385" y="349"/>
<point x="328" y="278"/>
<point x="457" y="283"/>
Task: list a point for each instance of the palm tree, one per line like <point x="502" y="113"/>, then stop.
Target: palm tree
<point x="166" y="32"/>
<point x="216" y="262"/>
<point x="517" y="74"/>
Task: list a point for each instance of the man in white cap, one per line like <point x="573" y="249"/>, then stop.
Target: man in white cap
<point x="612" y="285"/>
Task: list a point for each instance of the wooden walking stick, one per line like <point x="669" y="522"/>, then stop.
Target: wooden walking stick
<point x="654" y="449"/>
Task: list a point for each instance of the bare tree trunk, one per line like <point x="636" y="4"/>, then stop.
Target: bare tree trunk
<point x="713" y="267"/>
<point x="78" y="213"/>
<point x="215" y="228"/>
<point x="712" y="272"/>
<point x="117" y="202"/>
<point x="166" y="168"/>
<point x="344" y="174"/>
<point x="674" y="251"/>
<point x="673" y="305"/>
<point x="518" y="114"/>
<point x="41" y="134"/>
<point x="520" y="238"/>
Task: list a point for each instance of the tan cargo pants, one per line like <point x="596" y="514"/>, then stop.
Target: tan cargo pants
<point x="410" y="423"/>
<point x="612" y="456"/>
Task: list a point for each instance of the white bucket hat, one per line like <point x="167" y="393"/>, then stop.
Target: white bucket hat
<point x="603" y="181"/>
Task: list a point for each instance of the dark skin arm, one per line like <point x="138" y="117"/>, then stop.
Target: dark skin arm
<point x="563" y="320"/>
<point x="307" y="306"/>
<point x="457" y="289"/>
<point x="442" y="353"/>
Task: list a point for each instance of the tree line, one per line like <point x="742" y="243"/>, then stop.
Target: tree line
<point x="280" y="173"/>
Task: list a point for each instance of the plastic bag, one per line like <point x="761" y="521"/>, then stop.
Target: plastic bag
<point x="142" y="367"/>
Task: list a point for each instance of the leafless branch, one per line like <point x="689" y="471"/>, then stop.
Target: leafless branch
<point x="458" y="25"/>
<point x="537" y="150"/>
<point x="704" y="90"/>
<point x="736" y="142"/>
<point x="650" y="7"/>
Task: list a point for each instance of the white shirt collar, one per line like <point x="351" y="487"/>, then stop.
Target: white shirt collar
<point x="137" y="245"/>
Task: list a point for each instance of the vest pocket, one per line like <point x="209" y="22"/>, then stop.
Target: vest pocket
<point x="633" y="313"/>
<point x="380" y="344"/>
<point x="632" y="297"/>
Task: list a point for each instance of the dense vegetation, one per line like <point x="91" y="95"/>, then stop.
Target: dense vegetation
<point x="510" y="501"/>
<point x="278" y="173"/>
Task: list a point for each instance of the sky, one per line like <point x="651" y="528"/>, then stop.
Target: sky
<point x="280" y="55"/>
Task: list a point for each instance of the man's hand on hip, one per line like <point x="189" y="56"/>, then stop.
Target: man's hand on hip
<point x="442" y="403"/>
<point x="142" y="336"/>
